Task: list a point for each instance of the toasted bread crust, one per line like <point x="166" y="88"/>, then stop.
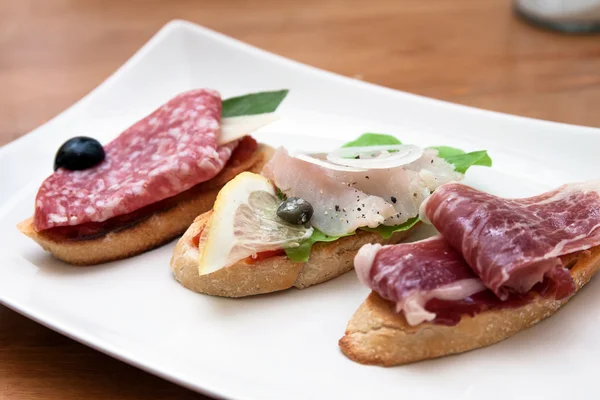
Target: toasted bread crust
<point x="377" y="335"/>
<point x="327" y="261"/>
<point x="160" y="228"/>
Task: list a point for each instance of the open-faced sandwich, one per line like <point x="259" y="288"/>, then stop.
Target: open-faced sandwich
<point x="499" y="266"/>
<point x="146" y="187"/>
<point x="302" y="221"/>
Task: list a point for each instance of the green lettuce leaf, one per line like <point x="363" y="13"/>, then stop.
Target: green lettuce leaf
<point x="254" y="103"/>
<point x="302" y="252"/>
<point x="386" y="232"/>
<point x="373" y="139"/>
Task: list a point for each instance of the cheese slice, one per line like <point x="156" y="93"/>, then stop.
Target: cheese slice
<point x="234" y="128"/>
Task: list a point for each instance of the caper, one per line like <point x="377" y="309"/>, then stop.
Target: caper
<point x="79" y="153"/>
<point x="295" y="210"/>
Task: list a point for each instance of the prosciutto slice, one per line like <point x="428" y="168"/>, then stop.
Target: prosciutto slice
<point x="513" y="244"/>
<point x="412" y="274"/>
<point x="430" y="281"/>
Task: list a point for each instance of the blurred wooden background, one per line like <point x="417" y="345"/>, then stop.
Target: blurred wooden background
<point x="473" y="52"/>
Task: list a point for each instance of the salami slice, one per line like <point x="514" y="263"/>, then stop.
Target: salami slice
<point x="164" y="154"/>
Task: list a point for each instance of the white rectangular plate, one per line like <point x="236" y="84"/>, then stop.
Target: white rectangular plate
<point x="284" y="345"/>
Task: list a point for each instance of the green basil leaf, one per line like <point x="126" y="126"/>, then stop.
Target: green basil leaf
<point x="254" y="103"/>
<point x="280" y="195"/>
<point x="461" y="160"/>
<point x="302" y="252"/>
<point x="386" y="232"/>
<point x="445" y="151"/>
<point x="373" y="139"/>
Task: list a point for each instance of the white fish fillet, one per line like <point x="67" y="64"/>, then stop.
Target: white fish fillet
<point x="344" y="201"/>
<point x="338" y="208"/>
<point x="406" y="187"/>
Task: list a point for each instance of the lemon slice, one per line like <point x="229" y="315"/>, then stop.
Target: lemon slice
<point x="244" y="222"/>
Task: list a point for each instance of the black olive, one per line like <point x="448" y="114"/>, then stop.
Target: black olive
<point x="295" y="210"/>
<point x="79" y="153"/>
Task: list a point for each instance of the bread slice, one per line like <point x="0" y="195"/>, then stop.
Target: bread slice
<point x="377" y="335"/>
<point x="327" y="261"/>
<point x="152" y="232"/>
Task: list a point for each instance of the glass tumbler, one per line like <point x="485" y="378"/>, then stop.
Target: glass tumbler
<point x="574" y="16"/>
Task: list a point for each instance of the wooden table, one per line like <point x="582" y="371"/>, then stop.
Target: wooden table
<point x="473" y="52"/>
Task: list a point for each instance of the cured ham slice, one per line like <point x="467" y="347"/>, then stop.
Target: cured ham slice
<point x="412" y="274"/>
<point x="512" y="244"/>
<point x="430" y="281"/>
